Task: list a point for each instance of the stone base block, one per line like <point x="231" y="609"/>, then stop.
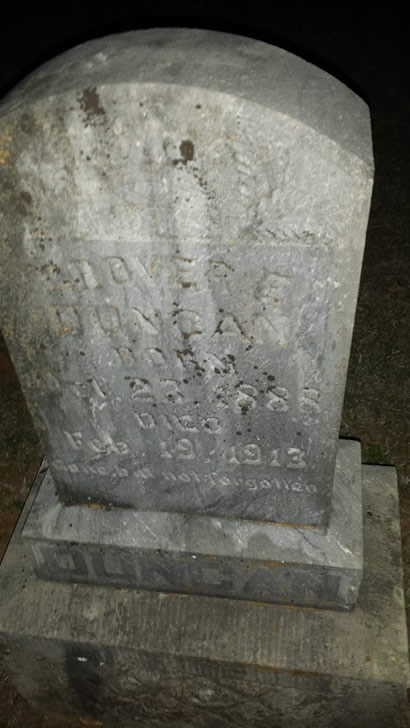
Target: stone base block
<point x="239" y="559"/>
<point x="123" y="656"/>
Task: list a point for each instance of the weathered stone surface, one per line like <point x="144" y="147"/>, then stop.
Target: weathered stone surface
<point x="165" y="659"/>
<point x="184" y="214"/>
<point x="192" y="554"/>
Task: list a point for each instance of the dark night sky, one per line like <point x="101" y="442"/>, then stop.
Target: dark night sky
<point x="340" y="39"/>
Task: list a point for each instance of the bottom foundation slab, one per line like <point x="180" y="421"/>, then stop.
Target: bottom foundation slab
<point x="153" y="659"/>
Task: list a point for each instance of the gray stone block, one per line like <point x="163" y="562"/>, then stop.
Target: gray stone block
<point x="156" y="659"/>
<point x="207" y="555"/>
<point x="184" y="217"/>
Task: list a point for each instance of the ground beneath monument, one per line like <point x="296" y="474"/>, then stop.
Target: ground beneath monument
<point x="377" y="400"/>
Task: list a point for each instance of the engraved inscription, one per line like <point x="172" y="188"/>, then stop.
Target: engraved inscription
<point x="270" y="288"/>
<point x="109" y="318"/>
<point x="181" y="423"/>
<point x="65" y="320"/>
<point x="246" y="454"/>
<point x="277" y="399"/>
<point x="141" y="323"/>
<point x="245" y="399"/>
<point x="83" y="271"/>
<point x="189" y="322"/>
<point x="188" y="575"/>
<point x="156" y="357"/>
<point x="310" y="407"/>
<point x="119" y="270"/>
<point x="145" y="420"/>
<point x="75" y="439"/>
<point x="219" y="273"/>
<point x="212" y="479"/>
<point x="260" y="321"/>
<point x="126" y="356"/>
<point x="142" y="390"/>
<point x="215" y="480"/>
<point x="296" y="458"/>
<point x="229" y="325"/>
<point x="253" y="454"/>
<point x="198" y="356"/>
<point x="186" y="272"/>
<point x="174" y="443"/>
<point x="182" y="449"/>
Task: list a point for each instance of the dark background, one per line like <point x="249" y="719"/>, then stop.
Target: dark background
<point x="369" y="50"/>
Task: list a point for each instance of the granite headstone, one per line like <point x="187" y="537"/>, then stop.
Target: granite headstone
<point x="184" y="216"/>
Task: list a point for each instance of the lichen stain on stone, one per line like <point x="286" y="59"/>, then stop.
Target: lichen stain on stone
<point x="187" y="150"/>
<point x="91" y="106"/>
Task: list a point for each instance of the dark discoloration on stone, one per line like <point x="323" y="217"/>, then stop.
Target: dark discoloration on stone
<point x="187" y="150"/>
<point x="91" y="105"/>
<point x="26" y="197"/>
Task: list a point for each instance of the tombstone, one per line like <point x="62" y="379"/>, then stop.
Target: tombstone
<point x="185" y="215"/>
<point x="188" y="251"/>
<point x="181" y="275"/>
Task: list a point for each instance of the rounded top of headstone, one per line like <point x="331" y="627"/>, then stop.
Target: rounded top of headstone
<point x="231" y="64"/>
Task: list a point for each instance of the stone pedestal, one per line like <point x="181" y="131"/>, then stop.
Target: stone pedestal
<point x="193" y="554"/>
<point x="149" y="658"/>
